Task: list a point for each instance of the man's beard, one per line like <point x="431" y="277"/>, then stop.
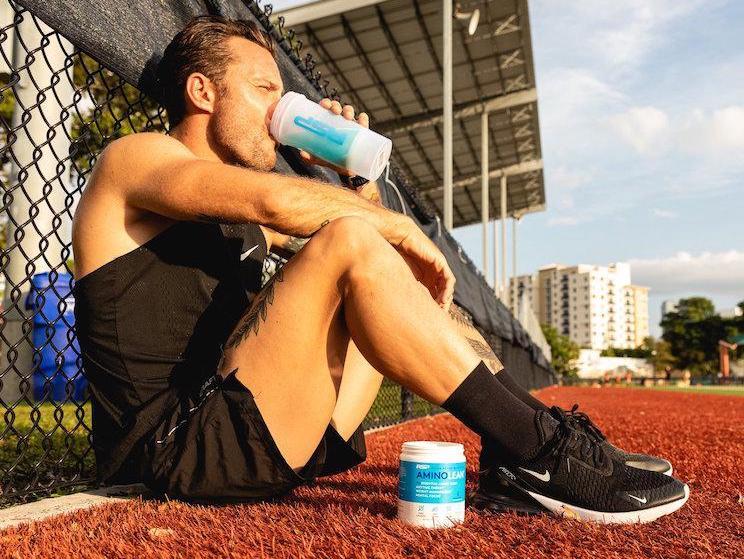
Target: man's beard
<point x="244" y="152"/>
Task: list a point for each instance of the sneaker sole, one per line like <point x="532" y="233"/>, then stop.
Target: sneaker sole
<point x="505" y="504"/>
<point x="632" y="517"/>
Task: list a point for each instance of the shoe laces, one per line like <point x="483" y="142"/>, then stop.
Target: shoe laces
<point x="568" y="440"/>
<point x="580" y="421"/>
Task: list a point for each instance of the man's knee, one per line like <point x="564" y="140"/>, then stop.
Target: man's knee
<point x="346" y="239"/>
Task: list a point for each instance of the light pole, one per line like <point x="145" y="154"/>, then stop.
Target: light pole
<point x="447" y="111"/>
<point x="484" y="189"/>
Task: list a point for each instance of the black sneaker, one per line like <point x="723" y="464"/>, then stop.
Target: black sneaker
<point x="575" y="477"/>
<point x="581" y="422"/>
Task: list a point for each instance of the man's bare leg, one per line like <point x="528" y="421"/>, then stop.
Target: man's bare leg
<point x="360" y="384"/>
<point x="291" y="343"/>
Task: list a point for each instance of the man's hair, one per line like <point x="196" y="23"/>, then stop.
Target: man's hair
<point x="201" y="47"/>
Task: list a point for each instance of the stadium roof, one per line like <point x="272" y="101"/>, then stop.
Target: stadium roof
<point x="385" y="56"/>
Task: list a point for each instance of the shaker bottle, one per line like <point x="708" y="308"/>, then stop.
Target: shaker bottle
<point x="304" y="124"/>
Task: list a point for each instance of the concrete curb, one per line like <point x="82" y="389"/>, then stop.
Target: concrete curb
<point x="39" y="510"/>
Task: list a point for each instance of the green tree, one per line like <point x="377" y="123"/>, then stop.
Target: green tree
<point x="564" y="352"/>
<point x="739" y="320"/>
<point x="118" y="109"/>
<point x="659" y="353"/>
<point x="7" y="104"/>
<point x="693" y="331"/>
<point x="639" y="352"/>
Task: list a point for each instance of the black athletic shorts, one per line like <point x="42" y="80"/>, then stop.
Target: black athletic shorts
<point x="220" y="450"/>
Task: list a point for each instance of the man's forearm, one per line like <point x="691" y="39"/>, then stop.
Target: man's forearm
<point x="291" y="205"/>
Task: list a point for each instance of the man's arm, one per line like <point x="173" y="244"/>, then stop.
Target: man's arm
<point x="163" y="176"/>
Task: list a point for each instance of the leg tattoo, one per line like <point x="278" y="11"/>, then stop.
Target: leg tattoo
<point x="468" y="330"/>
<point x="252" y="319"/>
<point x="487" y="354"/>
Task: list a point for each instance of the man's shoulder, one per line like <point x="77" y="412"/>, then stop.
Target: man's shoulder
<point x="130" y="160"/>
<point x="142" y="145"/>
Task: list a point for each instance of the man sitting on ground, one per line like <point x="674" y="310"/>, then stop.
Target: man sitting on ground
<point x="209" y="387"/>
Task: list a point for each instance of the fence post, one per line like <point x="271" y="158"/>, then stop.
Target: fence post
<point x="38" y="223"/>
<point x="406" y="403"/>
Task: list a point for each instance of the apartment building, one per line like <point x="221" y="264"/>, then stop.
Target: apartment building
<point x="595" y="306"/>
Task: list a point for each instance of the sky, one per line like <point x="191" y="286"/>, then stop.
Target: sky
<point x="641" y="107"/>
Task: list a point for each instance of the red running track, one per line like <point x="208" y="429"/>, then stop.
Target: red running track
<point x="353" y="515"/>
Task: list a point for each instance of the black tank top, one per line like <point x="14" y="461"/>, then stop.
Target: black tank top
<point x="150" y="325"/>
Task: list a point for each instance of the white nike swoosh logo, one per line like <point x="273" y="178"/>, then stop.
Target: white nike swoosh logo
<point x="244" y="255"/>
<point x="542" y="477"/>
<point x="642" y="501"/>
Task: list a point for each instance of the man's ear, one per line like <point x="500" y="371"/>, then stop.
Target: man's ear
<point x="201" y="93"/>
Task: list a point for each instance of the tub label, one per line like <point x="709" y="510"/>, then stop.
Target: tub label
<point x="431" y="482"/>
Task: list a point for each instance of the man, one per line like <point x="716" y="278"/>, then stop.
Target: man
<point x="207" y="398"/>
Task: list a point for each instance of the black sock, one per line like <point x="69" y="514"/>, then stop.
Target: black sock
<point x="507" y="425"/>
<point x="511" y="385"/>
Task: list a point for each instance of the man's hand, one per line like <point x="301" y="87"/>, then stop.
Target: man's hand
<point x="347" y="111"/>
<point x="428" y="264"/>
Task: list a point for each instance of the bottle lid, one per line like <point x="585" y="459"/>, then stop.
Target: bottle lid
<point x="369" y="154"/>
<point x="278" y="122"/>
<point x="432" y="448"/>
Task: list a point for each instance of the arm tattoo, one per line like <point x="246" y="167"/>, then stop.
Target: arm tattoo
<point x="326" y="222"/>
<point x="487" y="354"/>
<point x="371" y="192"/>
<point x="214" y="219"/>
<point x="256" y="313"/>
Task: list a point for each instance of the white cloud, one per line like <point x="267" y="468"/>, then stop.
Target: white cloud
<point x="721" y="130"/>
<point x="619" y="35"/>
<point x="564" y="181"/>
<point x="572" y="101"/>
<point x="708" y="144"/>
<point x="568" y="92"/>
<point x="664" y="214"/>
<point x="644" y="128"/>
<point x="707" y="273"/>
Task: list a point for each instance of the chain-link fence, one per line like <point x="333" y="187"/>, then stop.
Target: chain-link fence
<point x="58" y="109"/>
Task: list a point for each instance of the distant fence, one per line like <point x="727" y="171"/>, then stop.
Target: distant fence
<point x="59" y="108"/>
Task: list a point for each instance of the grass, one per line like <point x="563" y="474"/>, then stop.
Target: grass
<point x="387" y="408"/>
<point x="733" y="390"/>
<point x="43" y="445"/>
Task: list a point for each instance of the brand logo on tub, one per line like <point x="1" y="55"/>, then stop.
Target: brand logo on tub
<point x="422" y="466"/>
<point x="440" y="475"/>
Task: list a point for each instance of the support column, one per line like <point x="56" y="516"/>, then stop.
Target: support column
<point x="504" y="213"/>
<point x="514" y="290"/>
<point x="447" y="110"/>
<point x="496" y="286"/>
<point x="484" y="189"/>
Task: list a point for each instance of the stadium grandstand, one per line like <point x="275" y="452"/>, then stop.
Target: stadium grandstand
<point x="458" y="100"/>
